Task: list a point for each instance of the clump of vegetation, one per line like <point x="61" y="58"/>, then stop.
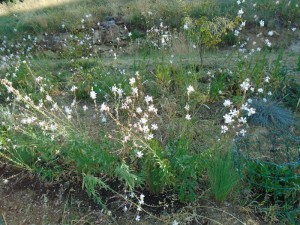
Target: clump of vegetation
<point x="221" y="174"/>
<point x="270" y="114"/>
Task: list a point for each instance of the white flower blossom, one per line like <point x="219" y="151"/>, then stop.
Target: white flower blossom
<point x="251" y="111"/>
<point x="190" y="89"/>
<point x="154" y="126"/>
<point x="224" y="129"/>
<point x="228" y="119"/>
<point x="104" y="107"/>
<point x="139" y="154"/>
<point x="227" y="103"/>
<point x="188" y="117"/>
<point x="93" y="95"/>
<point x="175" y="223"/>
<point x="139" y="110"/>
<point x="262" y="23"/>
<point x="242" y="132"/>
<point x="132" y="81"/>
<point x="240" y="12"/>
<point x="242" y="120"/>
<point x="270" y="33"/>
<point x="148" y="99"/>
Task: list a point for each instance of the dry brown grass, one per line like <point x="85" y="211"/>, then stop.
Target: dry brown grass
<point x="30" y="5"/>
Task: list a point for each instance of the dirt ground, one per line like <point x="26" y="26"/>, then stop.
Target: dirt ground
<point x="24" y="200"/>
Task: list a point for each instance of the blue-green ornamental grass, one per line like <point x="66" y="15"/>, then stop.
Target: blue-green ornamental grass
<point x="147" y="116"/>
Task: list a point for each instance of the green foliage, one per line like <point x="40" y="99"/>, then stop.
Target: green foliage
<point x="157" y="172"/>
<point x="221" y="175"/>
<point x="91" y="184"/>
<point x="280" y="183"/>
<point x="188" y="167"/>
<point x="124" y="173"/>
<point x="206" y="33"/>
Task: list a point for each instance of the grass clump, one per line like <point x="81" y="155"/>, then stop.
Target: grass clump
<point x="222" y="176"/>
<point x="270" y="114"/>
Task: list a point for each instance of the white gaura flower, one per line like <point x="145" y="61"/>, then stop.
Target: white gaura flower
<point x="114" y="89"/>
<point x="154" y="126"/>
<point x="233" y="112"/>
<point x="228" y="119"/>
<point x="135" y="91"/>
<point x="188" y="117"/>
<point x="224" y="129"/>
<point x="242" y="120"/>
<point x="227" y="103"/>
<point x="120" y="92"/>
<point x="143" y="120"/>
<point x="236" y="33"/>
<point x="190" y="89"/>
<point x="251" y="111"/>
<point x="260" y="90"/>
<point x="148" y="99"/>
<point x="268" y="43"/>
<point x="152" y="109"/>
<point x="146" y="129"/>
<point x="267" y="79"/>
<point x="132" y="81"/>
<point x="245" y="85"/>
<point x="104" y="108"/>
<point x="149" y="136"/>
<point x="187" y="107"/>
<point x="240" y="12"/>
<point x="73" y="88"/>
<point x="270" y="33"/>
<point x="175" y="223"/>
<point x="139" y="154"/>
<point x="243" y="132"/>
<point x="185" y="27"/>
<point x="262" y="23"/>
<point x="48" y="98"/>
<point x="139" y="110"/>
<point x="93" y="95"/>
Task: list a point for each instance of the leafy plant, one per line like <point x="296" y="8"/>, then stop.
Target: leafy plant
<point x="207" y="33"/>
<point x="278" y="186"/>
<point x="188" y="167"/>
